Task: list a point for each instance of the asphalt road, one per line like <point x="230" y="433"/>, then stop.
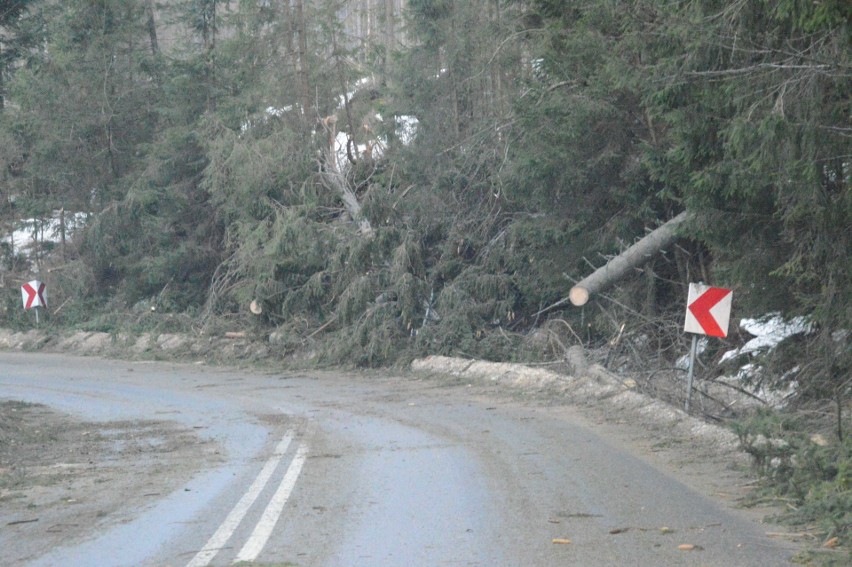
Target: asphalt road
<point x="358" y="470"/>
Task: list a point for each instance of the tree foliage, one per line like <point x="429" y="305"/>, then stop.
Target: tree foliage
<point x="768" y="169"/>
<point x="239" y="152"/>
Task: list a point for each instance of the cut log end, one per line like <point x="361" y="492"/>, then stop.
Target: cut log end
<point x="622" y="265"/>
<point x="578" y="296"/>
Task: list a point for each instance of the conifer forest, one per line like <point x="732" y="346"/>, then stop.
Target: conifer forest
<point x="385" y="179"/>
<point x="367" y="182"/>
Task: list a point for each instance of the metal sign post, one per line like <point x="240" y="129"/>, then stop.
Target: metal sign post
<point x="692" y="352"/>
<point x="708" y="310"/>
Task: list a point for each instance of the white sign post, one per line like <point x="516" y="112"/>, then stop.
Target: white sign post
<point x="708" y="312"/>
<point x="34" y="296"/>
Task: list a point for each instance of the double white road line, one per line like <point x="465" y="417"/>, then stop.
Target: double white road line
<point x="263" y="529"/>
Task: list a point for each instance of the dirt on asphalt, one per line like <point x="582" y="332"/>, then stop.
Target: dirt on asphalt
<point x="56" y="471"/>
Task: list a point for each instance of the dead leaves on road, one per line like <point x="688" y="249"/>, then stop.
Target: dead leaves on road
<point x="615" y="531"/>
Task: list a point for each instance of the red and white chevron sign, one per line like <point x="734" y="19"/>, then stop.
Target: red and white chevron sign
<point x="708" y="310"/>
<point x="34" y="294"/>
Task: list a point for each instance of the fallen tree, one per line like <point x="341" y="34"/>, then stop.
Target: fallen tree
<point x="333" y="174"/>
<point x="636" y="255"/>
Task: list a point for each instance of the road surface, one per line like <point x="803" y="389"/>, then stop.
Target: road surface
<point x="200" y="466"/>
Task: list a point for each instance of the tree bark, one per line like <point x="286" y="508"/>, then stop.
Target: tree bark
<point x="337" y="181"/>
<point x="304" y="81"/>
<point x="334" y="177"/>
<point x="636" y="255"/>
<point x="390" y="32"/>
<point x="151" y="25"/>
<point x="2" y="83"/>
<point x="209" y="29"/>
<point x="62" y="232"/>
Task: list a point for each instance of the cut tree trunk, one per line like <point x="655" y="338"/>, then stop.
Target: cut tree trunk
<point x="636" y="255"/>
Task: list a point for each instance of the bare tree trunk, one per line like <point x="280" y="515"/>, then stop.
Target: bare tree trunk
<point x="62" y="232"/>
<point x="209" y="30"/>
<point x="151" y="25"/>
<point x="12" y="229"/>
<point x="334" y="177"/>
<point x="350" y="200"/>
<point x="390" y="27"/>
<point x="2" y="84"/>
<point x="290" y="27"/>
<point x="304" y="83"/>
<point x="636" y="255"/>
<point x="337" y="181"/>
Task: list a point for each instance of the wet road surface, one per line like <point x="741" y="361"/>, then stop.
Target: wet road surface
<point x="358" y="470"/>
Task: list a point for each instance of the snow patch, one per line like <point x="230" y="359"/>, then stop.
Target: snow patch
<point x="30" y="232"/>
<point x="406" y="128"/>
<point x="768" y="332"/>
<point x="683" y="362"/>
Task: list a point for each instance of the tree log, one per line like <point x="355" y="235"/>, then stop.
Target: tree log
<point x="636" y="255"/>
